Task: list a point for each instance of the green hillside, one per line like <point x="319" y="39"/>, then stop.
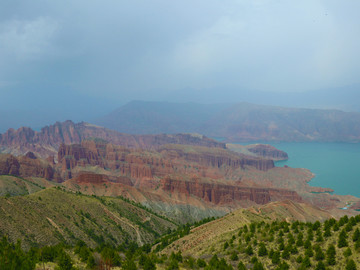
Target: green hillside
<point x="13" y="186"/>
<point x="260" y="244"/>
<point x="52" y="216"/>
<point x="277" y="245"/>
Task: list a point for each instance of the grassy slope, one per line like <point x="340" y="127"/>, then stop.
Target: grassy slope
<point x="13" y="186"/>
<point x="52" y="215"/>
<point x="210" y="239"/>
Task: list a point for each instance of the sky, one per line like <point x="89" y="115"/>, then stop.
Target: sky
<point x="83" y="58"/>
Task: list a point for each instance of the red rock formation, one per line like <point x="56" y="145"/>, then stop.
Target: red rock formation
<point x="222" y="193"/>
<point x="217" y="158"/>
<point x="48" y="140"/>
<point x="93" y="178"/>
<point x="267" y="151"/>
<point x="31" y="155"/>
<point x="9" y="165"/>
<point x="105" y="156"/>
<point x="27" y="167"/>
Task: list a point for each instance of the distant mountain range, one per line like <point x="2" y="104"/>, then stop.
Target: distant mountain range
<point x="237" y="123"/>
<point x="16" y="112"/>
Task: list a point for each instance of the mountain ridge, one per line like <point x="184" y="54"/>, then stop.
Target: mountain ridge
<point x="242" y="122"/>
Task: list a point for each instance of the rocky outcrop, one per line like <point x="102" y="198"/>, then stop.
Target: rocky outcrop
<point x="267" y="151"/>
<point x="137" y="164"/>
<point x="9" y="165"/>
<point x="98" y="179"/>
<point x="218" y="158"/>
<point x="47" y="141"/>
<point x="106" y="156"/>
<point x="223" y="194"/>
<point x="27" y="167"/>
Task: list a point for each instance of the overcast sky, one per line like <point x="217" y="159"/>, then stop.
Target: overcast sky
<point x="57" y="53"/>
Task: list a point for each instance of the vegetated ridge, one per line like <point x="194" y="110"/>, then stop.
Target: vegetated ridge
<point x="54" y="215"/>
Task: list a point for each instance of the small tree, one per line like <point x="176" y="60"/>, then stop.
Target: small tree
<point x="200" y="263"/>
<point x="342" y="242"/>
<point x="327" y="232"/>
<point x="262" y="250"/>
<point x="149" y="264"/>
<point x="241" y="266"/>
<point x="249" y="250"/>
<point x="65" y="262"/>
<point x="330" y="255"/>
<point x="347" y="252"/>
<point x="319" y="254"/>
<point x="356" y="235"/>
<point x="258" y="266"/>
<point x="234" y="256"/>
<point x="306" y="262"/>
<point x="320" y="266"/>
<point x="275" y="257"/>
<point x="350" y="265"/>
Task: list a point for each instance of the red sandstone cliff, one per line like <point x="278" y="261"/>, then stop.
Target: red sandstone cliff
<point x="139" y="164"/>
<point x="216" y="157"/>
<point x="224" y="194"/>
<point x="27" y="166"/>
<point x="48" y="140"/>
<point x="96" y="179"/>
<point x="267" y="151"/>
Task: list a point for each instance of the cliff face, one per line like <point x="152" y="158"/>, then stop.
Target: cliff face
<point x="47" y="142"/>
<point x="98" y="179"/>
<point x="267" y="151"/>
<point x="166" y="160"/>
<point x="224" y="194"/>
<point x="105" y="156"/>
<point x="217" y="158"/>
<point x="26" y="166"/>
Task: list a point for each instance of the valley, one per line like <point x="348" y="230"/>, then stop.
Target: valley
<point x="79" y="182"/>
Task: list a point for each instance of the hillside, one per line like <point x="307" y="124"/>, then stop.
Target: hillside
<point x="241" y="122"/>
<point x="246" y="238"/>
<point x="52" y="216"/>
<point x="209" y="238"/>
<point x="14" y="186"/>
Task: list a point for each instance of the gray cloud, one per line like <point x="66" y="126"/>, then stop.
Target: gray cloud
<point x="124" y="50"/>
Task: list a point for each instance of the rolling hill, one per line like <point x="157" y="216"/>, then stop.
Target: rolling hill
<point x="53" y="215"/>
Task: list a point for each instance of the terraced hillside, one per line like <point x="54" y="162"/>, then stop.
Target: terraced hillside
<point x="52" y="216"/>
<point x="250" y="240"/>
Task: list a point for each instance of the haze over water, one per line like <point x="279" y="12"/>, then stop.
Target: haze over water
<point x="336" y="165"/>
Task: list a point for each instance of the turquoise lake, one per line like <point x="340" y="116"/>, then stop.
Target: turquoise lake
<point x="336" y="165"/>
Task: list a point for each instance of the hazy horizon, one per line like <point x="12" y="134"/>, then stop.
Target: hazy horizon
<point x="81" y="60"/>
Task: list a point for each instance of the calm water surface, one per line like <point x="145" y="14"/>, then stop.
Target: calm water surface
<point x="336" y="165"/>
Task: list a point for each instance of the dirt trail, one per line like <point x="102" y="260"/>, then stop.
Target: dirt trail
<point x="139" y="240"/>
<point x="55" y="225"/>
